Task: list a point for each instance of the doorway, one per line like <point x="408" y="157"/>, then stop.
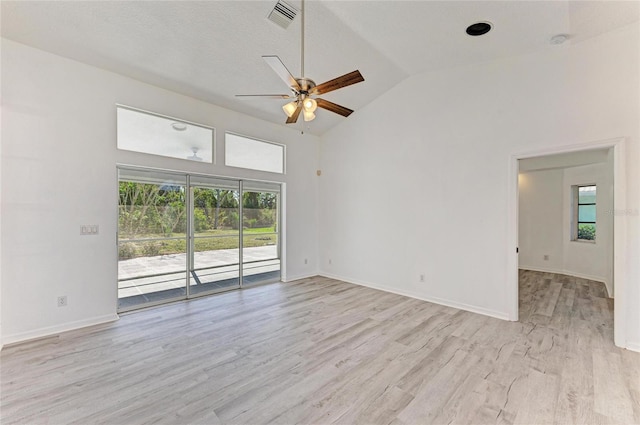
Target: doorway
<point x="185" y="235"/>
<point x="619" y="234"/>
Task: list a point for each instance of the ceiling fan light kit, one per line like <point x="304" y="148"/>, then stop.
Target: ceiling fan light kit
<point x="310" y="105"/>
<point x="290" y="108"/>
<point x="302" y="89"/>
<point x="308" y="115"/>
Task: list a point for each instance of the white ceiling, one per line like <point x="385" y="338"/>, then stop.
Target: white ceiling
<point x="211" y="50"/>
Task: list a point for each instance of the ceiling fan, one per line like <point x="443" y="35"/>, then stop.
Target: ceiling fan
<point x="304" y="90"/>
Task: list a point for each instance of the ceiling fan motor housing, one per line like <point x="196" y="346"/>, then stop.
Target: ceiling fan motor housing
<point x="306" y="84"/>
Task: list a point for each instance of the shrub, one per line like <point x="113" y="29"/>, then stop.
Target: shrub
<point x="234" y="220"/>
<point x="151" y="249"/>
<point x="126" y="251"/>
<point x="201" y="220"/>
<point x="587" y="231"/>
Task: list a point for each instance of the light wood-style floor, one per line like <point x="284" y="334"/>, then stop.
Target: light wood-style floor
<point x="320" y="351"/>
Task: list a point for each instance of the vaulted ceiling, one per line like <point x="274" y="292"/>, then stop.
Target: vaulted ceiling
<point x="211" y="50"/>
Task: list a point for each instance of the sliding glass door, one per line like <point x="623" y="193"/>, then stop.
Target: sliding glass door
<point x="215" y="230"/>
<point x="152" y="237"/>
<point x="260" y="242"/>
<point x="183" y="236"/>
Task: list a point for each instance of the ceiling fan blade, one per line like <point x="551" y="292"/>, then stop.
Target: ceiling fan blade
<point x="272" y="96"/>
<point x="334" y="107"/>
<point x="293" y="118"/>
<point x="337" y="83"/>
<point x="276" y="64"/>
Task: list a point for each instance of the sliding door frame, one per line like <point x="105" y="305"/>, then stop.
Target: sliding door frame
<point x="190" y="229"/>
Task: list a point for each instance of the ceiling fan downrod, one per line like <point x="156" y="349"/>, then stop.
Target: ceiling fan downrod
<point x="302" y="40"/>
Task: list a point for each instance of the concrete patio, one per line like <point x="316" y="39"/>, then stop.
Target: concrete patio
<point x="147" y="279"/>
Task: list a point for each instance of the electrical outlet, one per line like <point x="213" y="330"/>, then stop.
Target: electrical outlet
<point x="306" y="261"/>
<point x="329" y="260"/>
<point x="421" y="278"/>
<point x="62" y="301"/>
<point x="546" y="257"/>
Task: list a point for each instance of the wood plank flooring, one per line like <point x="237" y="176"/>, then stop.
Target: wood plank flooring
<point x="321" y="351"/>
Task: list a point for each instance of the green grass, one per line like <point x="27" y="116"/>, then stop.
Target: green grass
<point x="260" y="230"/>
<point x="224" y="239"/>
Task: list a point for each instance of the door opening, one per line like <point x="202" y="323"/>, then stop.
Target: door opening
<point x="545" y="241"/>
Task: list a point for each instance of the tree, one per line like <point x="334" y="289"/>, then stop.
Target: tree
<point x="226" y="199"/>
<point x="149" y="208"/>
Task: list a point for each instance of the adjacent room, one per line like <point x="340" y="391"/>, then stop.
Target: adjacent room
<point x="320" y="211"/>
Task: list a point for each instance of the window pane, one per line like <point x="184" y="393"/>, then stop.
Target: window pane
<point x="587" y="232"/>
<point x="586" y="213"/>
<point x="147" y="133"/>
<point x="152" y="239"/>
<point x="253" y="154"/>
<point x="587" y="195"/>
<point x="260" y="253"/>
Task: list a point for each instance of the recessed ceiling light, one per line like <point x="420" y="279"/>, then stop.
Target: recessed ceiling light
<point x="178" y="126"/>
<point x="479" y="28"/>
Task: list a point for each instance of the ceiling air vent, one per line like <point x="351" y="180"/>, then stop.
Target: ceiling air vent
<point x="282" y="14"/>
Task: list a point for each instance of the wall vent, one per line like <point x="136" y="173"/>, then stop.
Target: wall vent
<point x="282" y="14"/>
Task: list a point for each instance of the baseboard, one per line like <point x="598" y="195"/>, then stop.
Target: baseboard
<point x="54" y="330"/>
<point x="541" y="269"/>
<point x="571" y="273"/>
<point x="441" y="301"/>
<point x="589" y="277"/>
<point x="633" y="346"/>
<point x="303" y="276"/>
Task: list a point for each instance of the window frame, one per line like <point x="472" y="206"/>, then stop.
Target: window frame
<point x="575" y="190"/>
<point x="169" y="118"/>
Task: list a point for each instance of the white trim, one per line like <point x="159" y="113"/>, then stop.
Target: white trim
<point x="619" y="224"/>
<point x="633" y="346"/>
<point x="57" y="329"/>
<point x="282" y="230"/>
<point x="302" y="276"/>
<point x="620" y="243"/>
<point x="441" y="301"/>
<point x="541" y="269"/>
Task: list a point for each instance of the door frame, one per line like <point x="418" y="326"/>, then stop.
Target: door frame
<point x="620" y="275"/>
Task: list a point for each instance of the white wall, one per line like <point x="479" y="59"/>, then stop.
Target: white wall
<point x="418" y="181"/>
<point x="540" y="224"/>
<point x="59" y="171"/>
<point x="545" y="208"/>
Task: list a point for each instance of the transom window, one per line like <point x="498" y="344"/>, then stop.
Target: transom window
<point x="146" y="132"/>
<point x="253" y="154"/>
<point x="584" y="215"/>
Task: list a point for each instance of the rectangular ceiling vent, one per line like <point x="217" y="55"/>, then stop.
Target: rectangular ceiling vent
<point x="282" y="14"/>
